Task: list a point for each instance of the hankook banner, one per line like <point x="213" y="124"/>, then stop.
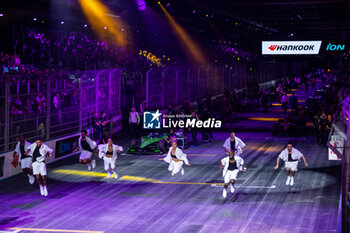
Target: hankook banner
<point x="290" y="47"/>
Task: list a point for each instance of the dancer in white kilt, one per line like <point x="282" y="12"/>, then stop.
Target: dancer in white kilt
<point x="38" y="151"/>
<point x="25" y="160"/>
<point x="176" y="158"/>
<point x="231" y="165"/>
<point x="87" y="147"/>
<point x="109" y="153"/>
<point x="291" y="157"/>
<point x="235" y="145"/>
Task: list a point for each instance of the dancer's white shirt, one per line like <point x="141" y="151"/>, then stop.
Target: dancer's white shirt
<point x="179" y="155"/>
<point x="103" y="148"/>
<point x="91" y="143"/>
<point x="225" y="163"/>
<point x="296" y="154"/>
<point x="43" y="150"/>
<point x="18" y="151"/>
<point x="239" y="144"/>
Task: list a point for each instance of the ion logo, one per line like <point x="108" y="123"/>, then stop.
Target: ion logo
<point x="273" y="47"/>
<point x="334" y="47"/>
<point x="151" y="120"/>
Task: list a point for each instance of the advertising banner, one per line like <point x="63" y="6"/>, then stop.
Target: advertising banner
<point x="66" y="146"/>
<point x="290" y="47"/>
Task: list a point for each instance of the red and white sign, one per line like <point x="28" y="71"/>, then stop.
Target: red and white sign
<point x="290" y="47"/>
<point x="337" y="142"/>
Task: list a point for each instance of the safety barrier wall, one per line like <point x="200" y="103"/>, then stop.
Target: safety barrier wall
<point x="55" y="104"/>
<point x="63" y="147"/>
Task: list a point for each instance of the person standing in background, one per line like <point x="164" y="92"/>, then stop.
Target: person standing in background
<point x="104" y="128"/>
<point x="323" y="128"/>
<point x="134" y="121"/>
<point x="96" y="127"/>
<point x="284" y="102"/>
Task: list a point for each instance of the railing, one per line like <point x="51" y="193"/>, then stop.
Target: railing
<point x="80" y="94"/>
<point x="338" y="142"/>
<point x="171" y="85"/>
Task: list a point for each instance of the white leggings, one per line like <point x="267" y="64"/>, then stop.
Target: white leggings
<point x="175" y="167"/>
<point x="109" y="162"/>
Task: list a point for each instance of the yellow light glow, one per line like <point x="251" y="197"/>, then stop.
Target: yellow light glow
<point x="264" y="119"/>
<point x="268" y="149"/>
<point x="143" y="179"/>
<point x="126" y="177"/>
<point x="189" y="43"/>
<point x="281" y="110"/>
<point x="80" y="173"/>
<point x="309" y="124"/>
<point x="97" y="14"/>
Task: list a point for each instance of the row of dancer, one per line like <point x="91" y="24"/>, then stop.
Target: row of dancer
<point x="32" y="156"/>
<point x="233" y="163"/>
<point x="108" y="152"/>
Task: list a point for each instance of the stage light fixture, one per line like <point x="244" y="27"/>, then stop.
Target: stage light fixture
<point x="34" y="19"/>
<point x="1" y="15"/>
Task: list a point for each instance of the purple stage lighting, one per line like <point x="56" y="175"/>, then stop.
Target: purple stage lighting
<point x="62" y="22"/>
<point x="34" y="19"/>
<point x="1" y="14"/>
<point x="194" y="11"/>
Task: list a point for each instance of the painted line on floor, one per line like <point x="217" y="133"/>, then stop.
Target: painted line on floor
<point x="250" y="186"/>
<point x="201" y="154"/>
<point x="154" y="181"/>
<point x="286" y="138"/>
<point x="52" y="230"/>
<point x="12" y="231"/>
<point x="195" y="155"/>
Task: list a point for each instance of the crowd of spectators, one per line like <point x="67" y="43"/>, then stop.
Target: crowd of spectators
<point x="318" y="109"/>
<point x="76" y="51"/>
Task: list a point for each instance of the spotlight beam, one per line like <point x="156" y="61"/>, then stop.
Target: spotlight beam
<point x="99" y="16"/>
<point x="185" y="38"/>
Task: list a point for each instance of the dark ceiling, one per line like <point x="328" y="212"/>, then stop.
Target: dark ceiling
<point x="241" y="21"/>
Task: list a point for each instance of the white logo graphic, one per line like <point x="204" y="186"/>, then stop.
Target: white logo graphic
<point x="151" y="120"/>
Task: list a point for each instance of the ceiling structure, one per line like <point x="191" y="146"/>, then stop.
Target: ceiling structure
<point x="242" y="22"/>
